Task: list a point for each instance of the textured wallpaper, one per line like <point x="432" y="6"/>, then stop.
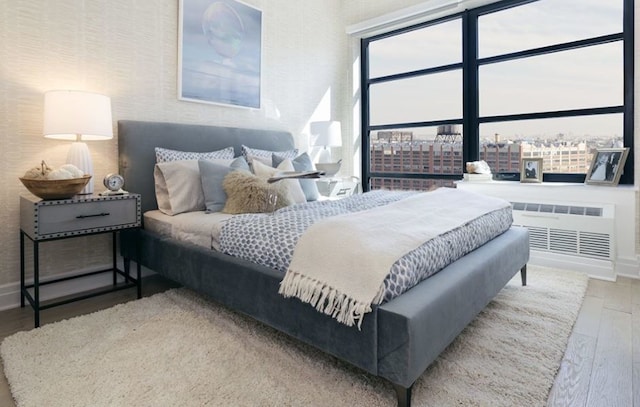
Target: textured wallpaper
<point x="128" y="50"/>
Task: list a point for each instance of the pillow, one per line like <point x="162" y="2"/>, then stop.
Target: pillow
<point x="239" y="163"/>
<point x="301" y="163"/>
<point x="164" y="155"/>
<point x="292" y="186"/>
<point x="264" y="156"/>
<point x="178" y="186"/>
<point x="247" y="193"/>
<point x="211" y="176"/>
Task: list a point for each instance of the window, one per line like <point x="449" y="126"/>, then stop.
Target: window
<point x="503" y="82"/>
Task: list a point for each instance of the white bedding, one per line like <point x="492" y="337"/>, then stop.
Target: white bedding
<point x="199" y="228"/>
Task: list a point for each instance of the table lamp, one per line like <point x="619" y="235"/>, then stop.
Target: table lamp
<point x="79" y="116"/>
<point x="328" y="135"/>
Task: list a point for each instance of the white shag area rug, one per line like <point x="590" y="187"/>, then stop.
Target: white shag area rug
<point x="177" y="349"/>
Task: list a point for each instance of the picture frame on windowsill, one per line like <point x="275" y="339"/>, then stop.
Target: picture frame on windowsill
<point x="531" y="170"/>
<point x="607" y="166"/>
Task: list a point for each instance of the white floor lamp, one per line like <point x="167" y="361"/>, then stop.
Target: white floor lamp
<point x="79" y="116"/>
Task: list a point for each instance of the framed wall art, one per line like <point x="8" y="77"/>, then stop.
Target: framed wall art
<point x="219" y="52"/>
<point x="531" y="170"/>
<point x="606" y="166"/>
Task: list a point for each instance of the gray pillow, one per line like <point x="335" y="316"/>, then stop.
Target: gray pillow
<point x="240" y="163"/>
<point x="300" y="163"/>
<point x="211" y="176"/>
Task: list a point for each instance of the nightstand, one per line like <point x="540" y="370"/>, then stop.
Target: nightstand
<point x="47" y="220"/>
<point x="336" y="188"/>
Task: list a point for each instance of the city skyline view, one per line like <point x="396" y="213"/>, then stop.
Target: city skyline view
<point x="400" y="152"/>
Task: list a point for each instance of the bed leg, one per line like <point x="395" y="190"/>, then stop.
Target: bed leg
<point x="523" y="274"/>
<point x="404" y="395"/>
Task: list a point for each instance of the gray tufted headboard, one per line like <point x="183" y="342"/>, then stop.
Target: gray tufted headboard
<point x="138" y="139"/>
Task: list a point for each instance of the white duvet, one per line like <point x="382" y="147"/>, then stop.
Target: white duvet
<point x="199" y="228"/>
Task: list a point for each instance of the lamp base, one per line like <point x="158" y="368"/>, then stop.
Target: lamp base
<point x="80" y="156"/>
<point x="325" y="156"/>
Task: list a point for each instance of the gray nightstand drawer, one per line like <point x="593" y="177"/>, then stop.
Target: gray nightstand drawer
<point x="85" y="215"/>
<point x="78" y="216"/>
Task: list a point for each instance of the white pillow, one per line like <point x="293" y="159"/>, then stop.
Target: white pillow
<point x="178" y="186"/>
<point x="294" y="190"/>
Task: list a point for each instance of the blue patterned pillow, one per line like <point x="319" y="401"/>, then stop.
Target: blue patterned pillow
<point x="264" y="156"/>
<point x="165" y="154"/>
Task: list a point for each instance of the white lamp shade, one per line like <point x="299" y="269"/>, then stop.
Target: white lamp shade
<point x="77" y="115"/>
<point x="328" y="133"/>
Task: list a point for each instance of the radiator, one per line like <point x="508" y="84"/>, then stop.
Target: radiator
<point x="576" y="230"/>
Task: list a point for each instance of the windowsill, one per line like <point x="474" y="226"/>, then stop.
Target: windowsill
<point x="515" y="184"/>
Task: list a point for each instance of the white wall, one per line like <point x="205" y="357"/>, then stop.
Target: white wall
<point x="128" y="50"/>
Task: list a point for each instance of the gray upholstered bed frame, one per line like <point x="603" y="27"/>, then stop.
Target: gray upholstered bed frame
<point x="398" y="340"/>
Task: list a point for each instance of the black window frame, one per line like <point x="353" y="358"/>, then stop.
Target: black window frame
<point x="471" y="119"/>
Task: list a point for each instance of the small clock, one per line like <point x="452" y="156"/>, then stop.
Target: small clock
<point x="114" y="184"/>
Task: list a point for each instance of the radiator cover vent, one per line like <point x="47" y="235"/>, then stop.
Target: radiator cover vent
<point x="553" y="208"/>
<point x="576" y="230"/>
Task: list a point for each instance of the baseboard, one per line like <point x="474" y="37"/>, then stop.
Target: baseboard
<point x="600" y="269"/>
<point x="628" y="267"/>
<point x="10" y="293"/>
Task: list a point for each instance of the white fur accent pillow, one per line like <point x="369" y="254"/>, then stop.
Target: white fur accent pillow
<point x="247" y="193"/>
<point x="296" y="194"/>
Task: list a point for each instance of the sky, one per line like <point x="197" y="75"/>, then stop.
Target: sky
<point x="580" y="78"/>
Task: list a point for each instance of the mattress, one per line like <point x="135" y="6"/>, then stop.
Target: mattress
<point x="199" y="228"/>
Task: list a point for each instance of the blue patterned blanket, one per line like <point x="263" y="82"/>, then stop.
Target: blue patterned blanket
<point x="270" y="239"/>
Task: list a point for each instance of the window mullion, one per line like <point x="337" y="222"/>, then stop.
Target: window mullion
<point x="629" y="68"/>
<point x="470" y="96"/>
<point x="365" y="117"/>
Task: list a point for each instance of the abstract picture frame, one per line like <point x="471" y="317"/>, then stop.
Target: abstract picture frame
<point x="220" y="53"/>
<point x="607" y="166"/>
<point x="531" y="170"/>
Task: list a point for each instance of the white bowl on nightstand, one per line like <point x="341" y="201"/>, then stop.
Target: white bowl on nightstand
<point x="330" y="169"/>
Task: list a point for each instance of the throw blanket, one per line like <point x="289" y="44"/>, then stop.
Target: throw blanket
<point x="363" y="246"/>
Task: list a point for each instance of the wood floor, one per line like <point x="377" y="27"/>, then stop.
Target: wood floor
<point x="601" y="366"/>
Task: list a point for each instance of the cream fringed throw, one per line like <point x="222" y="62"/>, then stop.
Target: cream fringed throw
<point x="340" y="263"/>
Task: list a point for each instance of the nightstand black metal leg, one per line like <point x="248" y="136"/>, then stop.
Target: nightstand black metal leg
<point x="139" y="278"/>
<point x="22" y="269"/>
<point x="114" y="263"/>
<point x="36" y="284"/>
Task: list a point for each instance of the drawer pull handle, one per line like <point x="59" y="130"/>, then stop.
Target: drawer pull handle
<point x="93" y="216"/>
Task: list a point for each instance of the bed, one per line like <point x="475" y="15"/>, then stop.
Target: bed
<point x="397" y="340"/>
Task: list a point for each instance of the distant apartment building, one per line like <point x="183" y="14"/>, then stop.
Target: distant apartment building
<point x="395" y="136"/>
<point x="399" y="152"/>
